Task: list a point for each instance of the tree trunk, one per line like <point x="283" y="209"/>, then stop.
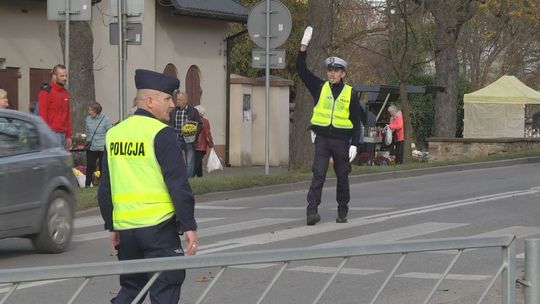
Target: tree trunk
<point x="449" y="16"/>
<point x="407" y="124"/>
<point x="446" y="64"/>
<point x="81" y="70"/>
<point x="320" y="14"/>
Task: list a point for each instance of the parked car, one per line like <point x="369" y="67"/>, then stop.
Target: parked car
<point x="37" y="185"/>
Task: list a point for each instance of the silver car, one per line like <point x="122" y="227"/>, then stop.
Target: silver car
<point x="38" y="190"/>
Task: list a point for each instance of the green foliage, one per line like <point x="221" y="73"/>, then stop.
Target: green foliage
<point x="423" y="109"/>
<point x="241" y="52"/>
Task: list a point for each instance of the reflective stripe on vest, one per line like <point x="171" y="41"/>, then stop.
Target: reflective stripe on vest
<point x="139" y="194"/>
<point x="329" y="111"/>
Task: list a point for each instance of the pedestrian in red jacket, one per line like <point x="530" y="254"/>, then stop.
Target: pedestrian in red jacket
<point x="204" y="142"/>
<point x="396" y="125"/>
<point x="53" y="105"/>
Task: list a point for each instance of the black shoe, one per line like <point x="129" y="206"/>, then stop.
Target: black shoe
<point x="313" y="219"/>
<point x="341" y="219"/>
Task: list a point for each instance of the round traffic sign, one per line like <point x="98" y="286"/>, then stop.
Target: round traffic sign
<point x="280" y="24"/>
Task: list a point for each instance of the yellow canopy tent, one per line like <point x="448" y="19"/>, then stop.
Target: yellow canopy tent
<point x="499" y="110"/>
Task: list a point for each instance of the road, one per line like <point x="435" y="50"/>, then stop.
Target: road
<point x="468" y="203"/>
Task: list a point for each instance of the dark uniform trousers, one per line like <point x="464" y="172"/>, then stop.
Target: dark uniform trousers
<point x="157" y="241"/>
<point x="338" y="149"/>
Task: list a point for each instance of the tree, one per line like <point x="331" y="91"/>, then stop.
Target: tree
<point x="500" y="39"/>
<point x="408" y="47"/>
<point x="81" y="70"/>
<point x="449" y="17"/>
<point x="320" y="15"/>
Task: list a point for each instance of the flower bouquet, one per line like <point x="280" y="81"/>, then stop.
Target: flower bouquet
<point x="189" y="131"/>
<point x="95" y="178"/>
<point x="78" y="141"/>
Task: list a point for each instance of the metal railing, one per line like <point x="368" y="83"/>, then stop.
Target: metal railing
<point x="506" y="269"/>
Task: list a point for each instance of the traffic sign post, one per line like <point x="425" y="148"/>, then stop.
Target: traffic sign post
<point x="277" y="59"/>
<point x="269" y="26"/>
<point x="68" y="10"/>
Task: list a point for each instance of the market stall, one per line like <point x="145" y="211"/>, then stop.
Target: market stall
<point x="375" y="100"/>
<point x="505" y="108"/>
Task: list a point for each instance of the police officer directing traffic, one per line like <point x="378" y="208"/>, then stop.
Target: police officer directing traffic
<point x="335" y="124"/>
<point x="144" y="195"/>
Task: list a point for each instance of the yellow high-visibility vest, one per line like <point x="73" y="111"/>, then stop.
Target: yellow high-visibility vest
<point x="329" y="111"/>
<point x="139" y="194"/>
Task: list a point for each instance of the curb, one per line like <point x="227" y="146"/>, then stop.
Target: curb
<point x="363" y="178"/>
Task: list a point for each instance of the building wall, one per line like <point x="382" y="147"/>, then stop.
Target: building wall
<point x="240" y="151"/>
<point x="28" y="40"/>
<point x="442" y="149"/>
<point x="106" y="57"/>
<point x="248" y="127"/>
<point x="182" y="41"/>
<point x="185" y="42"/>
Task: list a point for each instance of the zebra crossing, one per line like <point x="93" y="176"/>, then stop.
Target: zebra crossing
<point x="265" y="225"/>
<point x="215" y="226"/>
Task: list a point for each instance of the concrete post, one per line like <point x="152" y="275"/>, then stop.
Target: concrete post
<point x="532" y="271"/>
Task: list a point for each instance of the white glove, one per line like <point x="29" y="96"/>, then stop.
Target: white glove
<point x="352" y="153"/>
<point x="313" y="135"/>
<point x="307" y="35"/>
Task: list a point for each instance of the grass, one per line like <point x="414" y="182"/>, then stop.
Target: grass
<point x="88" y="196"/>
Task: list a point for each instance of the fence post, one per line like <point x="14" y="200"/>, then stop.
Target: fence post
<point x="509" y="274"/>
<point x="532" y="271"/>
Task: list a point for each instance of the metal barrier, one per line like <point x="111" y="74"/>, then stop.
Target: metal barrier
<point x="507" y="267"/>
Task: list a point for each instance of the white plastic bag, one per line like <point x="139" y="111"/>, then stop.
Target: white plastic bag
<point x="213" y="162"/>
<point x="388" y="136"/>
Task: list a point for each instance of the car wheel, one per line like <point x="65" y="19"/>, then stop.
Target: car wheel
<point x="57" y="227"/>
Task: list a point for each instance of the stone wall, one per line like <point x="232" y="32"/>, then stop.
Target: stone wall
<point x="457" y="148"/>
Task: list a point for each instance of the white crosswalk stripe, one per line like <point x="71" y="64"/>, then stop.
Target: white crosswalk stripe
<point x="202" y="232"/>
<point x="241" y="226"/>
<point x="210" y="207"/>
<point x="351" y="208"/>
<point x="88" y="221"/>
<point x="395" y="234"/>
<point x="345" y="270"/>
<point x="520" y="232"/>
<point x="85" y="222"/>
<point x="28" y="285"/>
<point x="436" y="276"/>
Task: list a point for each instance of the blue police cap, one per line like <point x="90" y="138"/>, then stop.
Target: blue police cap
<point x="335" y="62"/>
<point x="145" y="79"/>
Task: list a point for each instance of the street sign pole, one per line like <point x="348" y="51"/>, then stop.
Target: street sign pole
<point x="267" y="94"/>
<point x="66" y="43"/>
<point x="120" y="61"/>
<point x="268" y="33"/>
<point x="67" y="11"/>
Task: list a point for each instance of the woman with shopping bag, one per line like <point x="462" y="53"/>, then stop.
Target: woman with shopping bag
<point x="203" y="143"/>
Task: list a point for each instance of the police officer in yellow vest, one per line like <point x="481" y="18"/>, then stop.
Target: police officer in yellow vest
<point x="144" y="195"/>
<point x="335" y="126"/>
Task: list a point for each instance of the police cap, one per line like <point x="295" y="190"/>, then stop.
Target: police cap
<point x="335" y="62"/>
<point x="145" y="79"/>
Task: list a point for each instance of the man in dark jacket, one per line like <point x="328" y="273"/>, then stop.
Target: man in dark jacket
<point x="335" y="126"/>
<point x="144" y="195"/>
<point x="181" y="115"/>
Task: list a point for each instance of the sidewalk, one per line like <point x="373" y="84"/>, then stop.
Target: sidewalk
<point x="353" y="179"/>
<point x="246" y="170"/>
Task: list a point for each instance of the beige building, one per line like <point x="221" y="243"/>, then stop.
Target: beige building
<point x="185" y="38"/>
<point x="247" y="141"/>
<point x="188" y="37"/>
